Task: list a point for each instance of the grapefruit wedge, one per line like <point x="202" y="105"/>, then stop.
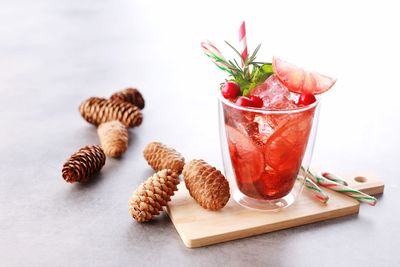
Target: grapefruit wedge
<point x="301" y="81"/>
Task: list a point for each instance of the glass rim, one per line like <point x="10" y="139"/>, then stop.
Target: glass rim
<point x="268" y="111"/>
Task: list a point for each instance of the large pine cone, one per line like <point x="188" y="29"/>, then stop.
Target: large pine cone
<point x="97" y="110"/>
<point x="113" y="137"/>
<point x="159" y="157"/>
<point x="131" y="95"/>
<point x="206" y="185"/>
<point x="149" y="198"/>
<point x="84" y="164"/>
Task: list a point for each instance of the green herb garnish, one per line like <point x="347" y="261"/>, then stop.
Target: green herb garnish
<point x="249" y="75"/>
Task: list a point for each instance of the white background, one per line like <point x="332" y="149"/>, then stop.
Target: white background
<point x="355" y="41"/>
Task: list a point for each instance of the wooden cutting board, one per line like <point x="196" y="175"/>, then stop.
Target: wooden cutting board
<point x="199" y="227"/>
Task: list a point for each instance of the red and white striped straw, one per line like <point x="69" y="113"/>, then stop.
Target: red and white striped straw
<point x="243" y="42"/>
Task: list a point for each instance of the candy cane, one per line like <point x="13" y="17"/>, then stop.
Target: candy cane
<point x="358" y="195"/>
<point x="316" y="191"/>
<point x="212" y="52"/>
<point x="334" y="178"/>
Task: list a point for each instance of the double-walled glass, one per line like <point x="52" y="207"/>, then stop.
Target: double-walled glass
<point x="263" y="151"/>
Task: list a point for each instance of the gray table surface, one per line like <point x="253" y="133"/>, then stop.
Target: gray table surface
<point x="54" y="54"/>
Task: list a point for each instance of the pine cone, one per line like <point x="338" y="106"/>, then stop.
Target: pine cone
<point x="131" y="95"/>
<point x="97" y="110"/>
<point x="83" y="165"/>
<point x="113" y="138"/>
<point x="149" y="198"/>
<point x="159" y="157"/>
<point x="206" y="185"/>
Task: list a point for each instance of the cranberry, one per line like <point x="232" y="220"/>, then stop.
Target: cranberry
<point x="256" y="101"/>
<point x="306" y="99"/>
<point x="244" y="101"/>
<point x="230" y="90"/>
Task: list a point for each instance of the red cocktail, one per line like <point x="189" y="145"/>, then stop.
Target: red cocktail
<point x="266" y="145"/>
<point x="267" y="114"/>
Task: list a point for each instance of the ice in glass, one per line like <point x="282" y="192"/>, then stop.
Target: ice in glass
<point x="266" y="149"/>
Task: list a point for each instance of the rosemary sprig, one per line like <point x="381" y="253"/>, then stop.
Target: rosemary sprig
<point x="248" y="74"/>
<point x="251" y="73"/>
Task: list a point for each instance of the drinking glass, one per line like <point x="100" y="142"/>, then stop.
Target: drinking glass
<point x="263" y="151"/>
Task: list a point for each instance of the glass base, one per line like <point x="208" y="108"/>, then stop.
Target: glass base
<point x="263" y="205"/>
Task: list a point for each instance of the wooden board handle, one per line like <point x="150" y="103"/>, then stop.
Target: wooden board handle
<point x="367" y="184"/>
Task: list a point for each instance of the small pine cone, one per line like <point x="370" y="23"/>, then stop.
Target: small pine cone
<point x="149" y="198"/>
<point x="159" y="157"/>
<point x="113" y="138"/>
<point x="84" y="164"/>
<point x="96" y="110"/>
<point x="206" y="184"/>
<point x="131" y="95"/>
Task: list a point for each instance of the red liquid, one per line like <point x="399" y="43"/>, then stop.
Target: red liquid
<point x="267" y="150"/>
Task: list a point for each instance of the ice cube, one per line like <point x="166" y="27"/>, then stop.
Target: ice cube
<point x="265" y="129"/>
<point x="272" y="86"/>
<point x="241" y="120"/>
<point x="268" y="124"/>
<point x="274" y="94"/>
<point x="247" y="158"/>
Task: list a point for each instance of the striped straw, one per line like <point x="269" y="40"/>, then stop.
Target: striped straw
<point x="243" y="42"/>
<point x="358" y="195"/>
<point x="212" y="52"/>
<point x="334" y="178"/>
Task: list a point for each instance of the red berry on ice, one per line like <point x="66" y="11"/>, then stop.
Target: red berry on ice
<point x="256" y="101"/>
<point x="306" y="99"/>
<point x="230" y="90"/>
<point x="244" y="102"/>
